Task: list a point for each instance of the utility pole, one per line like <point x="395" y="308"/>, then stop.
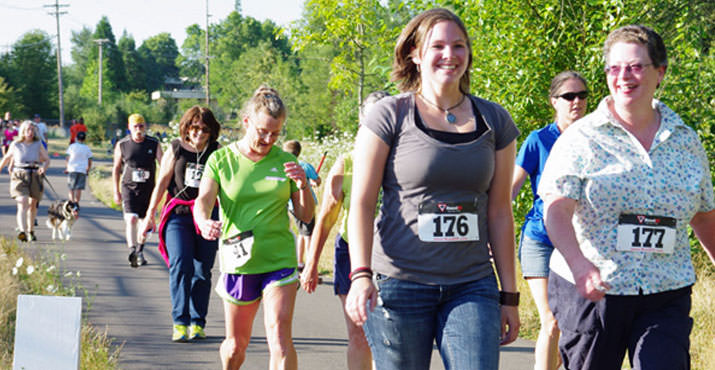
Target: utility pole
<point x="57" y="14"/>
<point x="206" y="64"/>
<point x="99" y="71"/>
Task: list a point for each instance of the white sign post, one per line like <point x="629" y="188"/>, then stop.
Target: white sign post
<point x="47" y="332"/>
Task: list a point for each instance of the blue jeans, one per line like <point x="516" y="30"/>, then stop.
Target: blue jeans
<point x="464" y="319"/>
<point x="191" y="259"/>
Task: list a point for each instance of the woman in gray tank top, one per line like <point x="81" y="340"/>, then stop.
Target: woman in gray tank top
<point x="27" y="160"/>
<point x="444" y="160"/>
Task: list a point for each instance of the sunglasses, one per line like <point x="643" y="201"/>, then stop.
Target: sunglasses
<point x="203" y="129"/>
<point x="570" y="96"/>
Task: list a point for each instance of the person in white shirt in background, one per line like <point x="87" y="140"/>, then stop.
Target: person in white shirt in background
<point x="41" y="129"/>
<point x="79" y="162"/>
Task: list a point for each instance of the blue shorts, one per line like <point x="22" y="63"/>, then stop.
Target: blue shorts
<point x="341" y="267"/>
<point x="246" y="289"/>
<point x="534" y="256"/>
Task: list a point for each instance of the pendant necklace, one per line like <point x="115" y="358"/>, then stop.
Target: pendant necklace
<point x="448" y="116"/>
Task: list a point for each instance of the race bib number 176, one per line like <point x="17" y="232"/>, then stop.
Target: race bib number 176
<point x="447" y="222"/>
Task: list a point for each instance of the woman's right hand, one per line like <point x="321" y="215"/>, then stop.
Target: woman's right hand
<point x="309" y="277"/>
<point x="147" y="224"/>
<point x="210" y="229"/>
<point x="362" y="294"/>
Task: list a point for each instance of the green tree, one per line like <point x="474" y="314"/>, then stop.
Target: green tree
<point x="8" y="98"/>
<point x="114" y="70"/>
<point x="136" y="76"/>
<point x="33" y="74"/>
<point x="158" y="55"/>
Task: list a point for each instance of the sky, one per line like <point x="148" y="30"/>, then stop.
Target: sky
<point x="140" y="18"/>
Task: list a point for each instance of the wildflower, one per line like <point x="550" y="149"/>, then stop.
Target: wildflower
<point x="78" y="274"/>
<point x="51" y="268"/>
<point x="14" y="271"/>
<point x="68" y="273"/>
<point x="51" y="288"/>
<point x="63" y="256"/>
<point x="30" y="269"/>
<point x="19" y="262"/>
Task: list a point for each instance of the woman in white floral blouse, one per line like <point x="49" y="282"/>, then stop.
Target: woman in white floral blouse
<point x="619" y="189"/>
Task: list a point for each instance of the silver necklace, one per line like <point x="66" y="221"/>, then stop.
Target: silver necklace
<point x="448" y="116"/>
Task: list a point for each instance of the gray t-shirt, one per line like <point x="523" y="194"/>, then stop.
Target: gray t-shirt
<point x="432" y="226"/>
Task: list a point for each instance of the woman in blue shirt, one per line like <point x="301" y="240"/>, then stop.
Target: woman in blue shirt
<point x="567" y="94"/>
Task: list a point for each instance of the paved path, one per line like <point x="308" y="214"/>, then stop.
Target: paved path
<point x="134" y="306"/>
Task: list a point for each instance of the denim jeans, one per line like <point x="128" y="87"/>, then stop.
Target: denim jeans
<point x="464" y="319"/>
<point x="191" y="259"/>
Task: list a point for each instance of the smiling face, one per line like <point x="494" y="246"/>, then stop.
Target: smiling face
<point x="444" y="56"/>
<point x="262" y="131"/>
<point x="629" y="87"/>
<point x="198" y="133"/>
<point x="569" y="111"/>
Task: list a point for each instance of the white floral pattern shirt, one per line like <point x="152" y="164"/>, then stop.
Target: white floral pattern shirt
<point x="608" y="172"/>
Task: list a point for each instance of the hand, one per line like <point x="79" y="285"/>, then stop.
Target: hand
<point x="295" y="172"/>
<point x="509" y="324"/>
<point x="41" y="171"/>
<point x="147" y="224"/>
<point x="210" y="229"/>
<point x="309" y="277"/>
<point x="117" y="198"/>
<point x="66" y="172"/>
<point x="588" y="280"/>
<point x="362" y="292"/>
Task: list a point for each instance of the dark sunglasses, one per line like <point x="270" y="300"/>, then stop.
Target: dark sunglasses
<point x="570" y="96"/>
<point x="203" y="129"/>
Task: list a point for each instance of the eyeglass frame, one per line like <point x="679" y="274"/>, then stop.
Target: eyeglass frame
<point x="635" y="68"/>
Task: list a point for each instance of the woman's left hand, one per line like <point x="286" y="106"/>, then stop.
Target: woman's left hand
<point x="295" y="172"/>
<point x="509" y="324"/>
<point x="41" y="170"/>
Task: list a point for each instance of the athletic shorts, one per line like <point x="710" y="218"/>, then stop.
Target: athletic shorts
<point x="136" y="201"/>
<point x="341" y="267"/>
<point x="76" y="180"/>
<point x="248" y="288"/>
<point x="534" y="256"/>
<point x="26" y="183"/>
<point x="304" y="229"/>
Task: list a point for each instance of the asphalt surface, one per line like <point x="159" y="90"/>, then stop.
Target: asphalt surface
<point x="134" y="306"/>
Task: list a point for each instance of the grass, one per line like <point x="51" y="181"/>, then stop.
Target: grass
<point x="21" y="273"/>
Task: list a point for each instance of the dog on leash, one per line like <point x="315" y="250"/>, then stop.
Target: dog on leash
<point x="60" y="217"/>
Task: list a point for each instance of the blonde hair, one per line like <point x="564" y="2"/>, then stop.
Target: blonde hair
<point x="265" y="99"/>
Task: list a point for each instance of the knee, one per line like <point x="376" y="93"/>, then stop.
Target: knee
<point x="233" y="350"/>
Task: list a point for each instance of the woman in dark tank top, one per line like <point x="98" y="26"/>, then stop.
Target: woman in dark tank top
<point x="189" y="256"/>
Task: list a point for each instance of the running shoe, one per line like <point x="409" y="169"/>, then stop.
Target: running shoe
<point x="133" y="258"/>
<point x="140" y="258"/>
<point x="180" y="334"/>
<point x="196" y="332"/>
<point x="32" y="236"/>
<point x="21" y="236"/>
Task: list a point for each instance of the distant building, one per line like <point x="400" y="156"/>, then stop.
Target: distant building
<point x="179" y="89"/>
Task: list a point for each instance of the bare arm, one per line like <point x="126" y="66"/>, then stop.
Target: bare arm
<point x="303" y="202"/>
<point x="159" y="153"/>
<point x="558" y="212"/>
<point x="208" y="191"/>
<point x="166" y="172"/>
<point x="371" y="155"/>
<point x="500" y="222"/>
<point x="329" y="211"/>
<point x="703" y="224"/>
<point x="44" y="159"/>
<point x="517" y="181"/>
<point x="7" y="159"/>
<point x="117" y="174"/>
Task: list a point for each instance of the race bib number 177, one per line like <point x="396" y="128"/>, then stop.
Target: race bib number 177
<point x="645" y="233"/>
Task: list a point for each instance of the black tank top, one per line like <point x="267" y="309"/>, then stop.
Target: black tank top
<point x="188" y="168"/>
<point x="139" y="161"/>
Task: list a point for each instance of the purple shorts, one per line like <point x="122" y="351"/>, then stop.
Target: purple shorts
<point x="248" y="288"/>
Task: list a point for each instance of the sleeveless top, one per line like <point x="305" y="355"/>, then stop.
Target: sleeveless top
<point x="27" y="155"/>
<point x="188" y="169"/>
<point x="139" y="161"/>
